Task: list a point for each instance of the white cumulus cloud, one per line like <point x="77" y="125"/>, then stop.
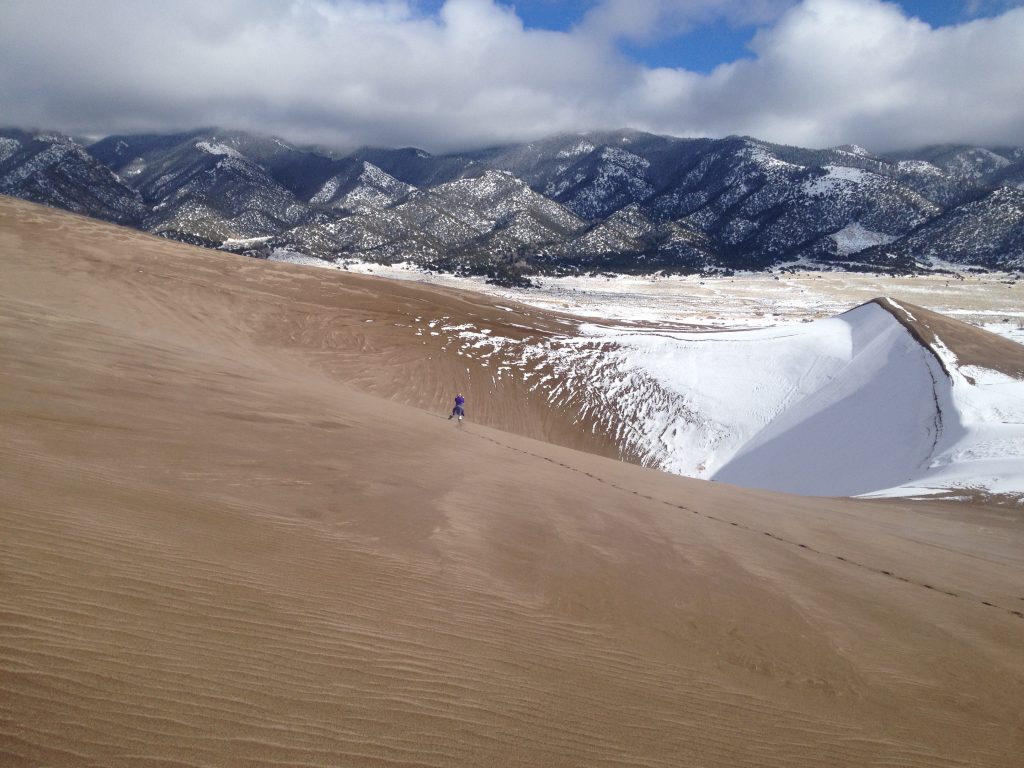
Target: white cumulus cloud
<point x="351" y="72"/>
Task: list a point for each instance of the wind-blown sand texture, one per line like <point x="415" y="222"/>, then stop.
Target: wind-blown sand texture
<point x="237" y="529"/>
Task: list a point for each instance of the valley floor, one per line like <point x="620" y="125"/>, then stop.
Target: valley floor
<point x="993" y="301"/>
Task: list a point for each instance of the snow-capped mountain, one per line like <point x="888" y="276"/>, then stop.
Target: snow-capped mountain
<point x="988" y="232"/>
<point x="206" y="186"/>
<point x="361" y="188"/>
<point x="617" y="201"/>
<point x="59" y="172"/>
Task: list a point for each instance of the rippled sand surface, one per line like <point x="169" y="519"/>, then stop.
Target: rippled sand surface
<point x="236" y="529"/>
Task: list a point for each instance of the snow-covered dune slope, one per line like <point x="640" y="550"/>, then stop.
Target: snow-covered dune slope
<point x="850" y="405"/>
<point x="859" y="406"/>
<point x="845" y="406"/>
<point x="841" y="406"/>
<point x="984" y="375"/>
<point x="861" y="403"/>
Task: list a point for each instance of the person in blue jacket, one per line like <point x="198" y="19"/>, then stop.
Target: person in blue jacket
<point x="458" y="410"/>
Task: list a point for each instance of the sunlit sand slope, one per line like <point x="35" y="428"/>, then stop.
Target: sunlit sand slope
<point x="220" y="547"/>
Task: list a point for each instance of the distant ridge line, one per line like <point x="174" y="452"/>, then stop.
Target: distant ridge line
<point x="618" y="202"/>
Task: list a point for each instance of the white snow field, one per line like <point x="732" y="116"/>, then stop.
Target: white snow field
<point x="837" y="407"/>
<point x="846" y="406"/>
<point x="993" y="301"/>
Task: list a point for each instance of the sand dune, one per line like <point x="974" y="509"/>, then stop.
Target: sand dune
<point x="847" y="405"/>
<point x="237" y="529"/>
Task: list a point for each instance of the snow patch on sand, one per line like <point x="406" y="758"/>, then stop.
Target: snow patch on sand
<point x="850" y="405"/>
<point x="804" y="409"/>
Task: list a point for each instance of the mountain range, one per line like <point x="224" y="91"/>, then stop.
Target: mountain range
<point x="611" y="202"/>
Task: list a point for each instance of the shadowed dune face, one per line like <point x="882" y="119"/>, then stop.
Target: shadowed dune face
<point x="238" y="530"/>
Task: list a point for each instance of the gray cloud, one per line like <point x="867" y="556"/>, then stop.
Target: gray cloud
<point x="646" y="20"/>
<point x="353" y="72"/>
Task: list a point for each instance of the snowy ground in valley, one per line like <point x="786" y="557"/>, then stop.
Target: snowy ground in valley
<point x="993" y="301"/>
<point x="728" y="379"/>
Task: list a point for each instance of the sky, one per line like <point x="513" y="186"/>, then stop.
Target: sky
<point x="446" y="75"/>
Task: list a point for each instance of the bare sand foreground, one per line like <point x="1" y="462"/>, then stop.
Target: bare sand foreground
<point x="237" y="529"/>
